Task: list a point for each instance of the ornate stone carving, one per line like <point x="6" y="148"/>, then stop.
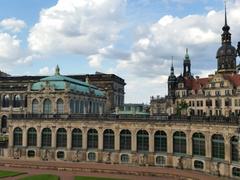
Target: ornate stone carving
<point x="107" y="157"/>
<point x="46" y="155"/>
<point x="17" y="153"/>
<point x="77" y="156"/>
<point x="180" y="163"/>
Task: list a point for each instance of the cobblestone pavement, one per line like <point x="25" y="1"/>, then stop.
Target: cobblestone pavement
<point x="67" y="170"/>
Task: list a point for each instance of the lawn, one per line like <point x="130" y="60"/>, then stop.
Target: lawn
<point x="41" y="177"/>
<point x="92" y="178"/>
<point x="9" y="173"/>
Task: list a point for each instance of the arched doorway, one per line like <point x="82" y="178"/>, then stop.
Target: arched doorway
<point x="4" y="124"/>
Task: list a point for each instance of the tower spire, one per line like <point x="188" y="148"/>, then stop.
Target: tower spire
<point x="226" y="35"/>
<point x="225" y="4"/>
<point x="172" y="68"/>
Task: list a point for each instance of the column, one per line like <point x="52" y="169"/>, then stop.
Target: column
<point x="39" y="137"/>
<point x="24" y="138"/>
<point x="227" y="149"/>
<point x="208" y="151"/>
<point x="208" y="145"/>
<point x="134" y="141"/>
<point x="84" y="138"/>
<point x="10" y="137"/>
<point x="169" y="142"/>
<point x="189" y="142"/>
<point x="117" y="139"/>
<point x="151" y="141"/>
<point x="53" y="136"/>
<point x="69" y="138"/>
<point x="100" y="139"/>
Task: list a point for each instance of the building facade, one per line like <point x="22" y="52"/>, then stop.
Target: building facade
<point x="112" y="85"/>
<point x="216" y="95"/>
<point x="69" y="118"/>
<point x="207" y="146"/>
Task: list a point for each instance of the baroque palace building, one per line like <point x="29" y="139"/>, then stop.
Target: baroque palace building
<point x="66" y="118"/>
<point x="216" y="95"/>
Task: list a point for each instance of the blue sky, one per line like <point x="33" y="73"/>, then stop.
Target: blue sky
<point x="134" y="39"/>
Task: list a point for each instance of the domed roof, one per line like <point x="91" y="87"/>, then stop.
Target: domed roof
<point x="60" y="82"/>
<point x="226" y="50"/>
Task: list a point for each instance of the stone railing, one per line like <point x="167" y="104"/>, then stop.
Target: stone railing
<point x="234" y="120"/>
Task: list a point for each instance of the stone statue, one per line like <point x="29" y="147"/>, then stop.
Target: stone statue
<point x="46" y="155"/>
<point x="107" y="157"/>
<point x="142" y="159"/>
<point x="77" y="156"/>
<point x="16" y="153"/>
<point x="180" y="163"/>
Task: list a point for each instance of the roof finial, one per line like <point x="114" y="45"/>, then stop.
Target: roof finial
<point x="186" y="55"/>
<point x="172" y="68"/>
<point x="57" y="70"/>
<point x="225" y="4"/>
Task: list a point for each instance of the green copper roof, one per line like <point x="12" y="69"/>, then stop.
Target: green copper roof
<point x="59" y="82"/>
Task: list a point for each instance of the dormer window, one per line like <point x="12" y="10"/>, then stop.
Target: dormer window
<point x="213" y="84"/>
<point x="222" y="84"/>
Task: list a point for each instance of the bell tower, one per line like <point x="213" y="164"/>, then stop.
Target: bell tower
<point x="187" y="65"/>
<point x="172" y="81"/>
<point x="226" y="54"/>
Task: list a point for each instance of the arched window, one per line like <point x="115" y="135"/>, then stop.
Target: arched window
<point x="60" y="106"/>
<point x="92" y="139"/>
<point x="198" y="144"/>
<point x="125" y="140"/>
<point x="160" y="141"/>
<point x="4" y="122"/>
<point x="179" y="142"/>
<point x="198" y="164"/>
<point x="32" y="137"/>
<point x="234" y="148"/>
<point x="236" y="172"/>
<point x="6" y="101"/>
<point x="160" y="160"/>
<point x="76" y="138"/>
<point x="61" y="137"/>
<point x="124" y="158"/>
<point x="218" y="146"/>
<point x="46" y="137"/>
<point x="72" y="107"/>
<point x="108" y="140"/>
<point x="17" y="137"/>
<point x="47" y="106"/>
<point x="142" y="140"/>
<point x="35" y="108"/>
<point x="17" y="101"/>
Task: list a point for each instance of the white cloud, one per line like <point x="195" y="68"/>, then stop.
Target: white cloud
<point x="84" y="27"/>
<point x="95" y="60"/>
<point x="44" y="71"/>
<point x="9" y="47"/>
<point x="12" y="24"/>
<point x="151" y="53"/>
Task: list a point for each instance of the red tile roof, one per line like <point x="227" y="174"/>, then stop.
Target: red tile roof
<point x="233" y="78"/>
<point x="196" y="84"/>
